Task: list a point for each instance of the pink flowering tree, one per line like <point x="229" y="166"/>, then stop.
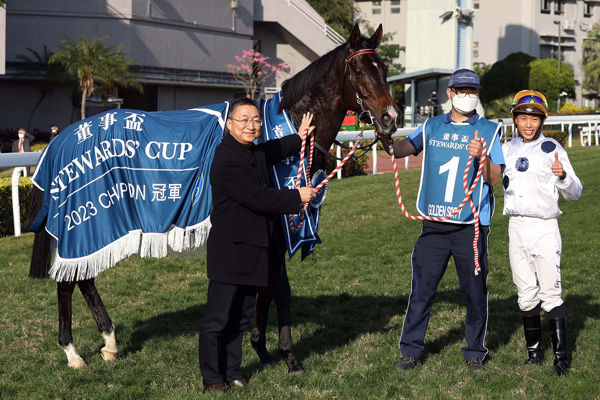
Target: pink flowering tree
<point x="254" y="69"/>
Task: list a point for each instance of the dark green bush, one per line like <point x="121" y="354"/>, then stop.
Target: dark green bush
<point x="352" y="167"/>
<point x="6" y="213"/>
<point x="556" y="134"/>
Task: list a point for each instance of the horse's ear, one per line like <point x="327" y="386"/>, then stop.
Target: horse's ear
<point x="376" y="38"/>
<point x="354" y="36"/>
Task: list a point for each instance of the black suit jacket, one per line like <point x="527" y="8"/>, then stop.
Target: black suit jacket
<point x="245" y="238"/>
<point x="26" y="145"/>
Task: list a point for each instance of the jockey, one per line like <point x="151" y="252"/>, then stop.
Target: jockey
<point x="537" y="170"/>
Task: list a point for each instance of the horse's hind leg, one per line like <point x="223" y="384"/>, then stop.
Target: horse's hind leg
<point x="257" y="336"/>
<point x="65" y="335"/>
<point x="105" y="325"/>
<point x="283" y="301"/>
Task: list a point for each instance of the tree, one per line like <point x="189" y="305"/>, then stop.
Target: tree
<point x="338" y="14"/>
<point x="545" y="78"/>
<point x="481" y="68"/>
<point x="254" y="70"/>
<point x="53" y="76"/>
<point x="590" y="62"/>
<point x="94" y="64"/>
<point x="506" y="77"/>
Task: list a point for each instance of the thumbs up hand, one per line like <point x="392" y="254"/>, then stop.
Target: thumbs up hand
<point x="557" y="167"/>
<point x="475" y="146"/>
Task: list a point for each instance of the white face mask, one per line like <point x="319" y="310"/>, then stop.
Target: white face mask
<point x="465" y="105"/>
<point x="21" y="135"/>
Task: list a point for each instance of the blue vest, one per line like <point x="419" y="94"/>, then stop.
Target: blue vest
<point x="445" y="156"/>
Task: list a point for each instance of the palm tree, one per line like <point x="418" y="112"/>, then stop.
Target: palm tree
<point x="591" y="60"/>
<point x="53" y="76"/>
<point x="93" y="65"/>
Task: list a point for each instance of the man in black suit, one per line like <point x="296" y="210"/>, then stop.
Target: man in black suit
<point x="22" y="145"/>
<point x="245" y="240"/>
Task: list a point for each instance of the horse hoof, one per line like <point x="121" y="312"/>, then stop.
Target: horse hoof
<point x="296" y="370"/>
<point x="108" y="355"/>
<point x="77" y="363"/>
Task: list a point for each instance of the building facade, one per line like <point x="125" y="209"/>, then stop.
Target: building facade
<point x="442" y="35"/>
<point x="181" y="47"/>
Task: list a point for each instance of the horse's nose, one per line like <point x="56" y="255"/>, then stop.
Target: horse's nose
<point x="389" y="117"/>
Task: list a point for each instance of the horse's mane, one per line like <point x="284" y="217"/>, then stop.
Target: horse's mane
<point x="294" y="88"/>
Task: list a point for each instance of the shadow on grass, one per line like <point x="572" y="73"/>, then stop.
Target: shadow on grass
<point x="344" y="318"/>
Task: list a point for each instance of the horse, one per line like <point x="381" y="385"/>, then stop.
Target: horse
<point x="350" y="77"/>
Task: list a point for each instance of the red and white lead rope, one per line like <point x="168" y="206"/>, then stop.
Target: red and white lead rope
<point x="294" y="228"/>
<point x="468" y="192"/>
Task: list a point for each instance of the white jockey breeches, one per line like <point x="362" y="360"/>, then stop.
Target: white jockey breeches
<point x="534" y="252"/>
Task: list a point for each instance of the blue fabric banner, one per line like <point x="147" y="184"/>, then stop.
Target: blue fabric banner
<point x="128" y="181"/>
<point x="284" y="175"/>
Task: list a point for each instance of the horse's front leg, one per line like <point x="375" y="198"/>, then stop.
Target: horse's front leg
<point x="283" y="301"/>
<point x="105" y="325"/>
<point x="257" y="336"/>
<point x="65" y="336"/>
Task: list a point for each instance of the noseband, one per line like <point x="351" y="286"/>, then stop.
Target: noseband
<point x="347" y="71"/>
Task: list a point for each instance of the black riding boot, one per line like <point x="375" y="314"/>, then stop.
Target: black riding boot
<point x="559" y="344"/>
<point x="532" y="325"/>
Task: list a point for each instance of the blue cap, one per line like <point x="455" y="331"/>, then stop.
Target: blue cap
<point x="464" y="78"/>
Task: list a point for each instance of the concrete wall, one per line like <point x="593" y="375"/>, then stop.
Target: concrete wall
<point x="2" y="39"/>
<point x="392" y="22"/>
<point x="430" y="42"/>
<point x="506" y="27"/>
<point x="162" y="33"/>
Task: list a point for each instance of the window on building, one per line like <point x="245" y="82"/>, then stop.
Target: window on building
<point x="587" y="8"/>
<point x="395" y="2"/>
<point x="376" y="11"/>
<point x="395" y="10"/>
<point x="545" y="6"/>
<point x="559" y="7"/>
<point x="476" y="4"/>
<point x="376" y="3"/>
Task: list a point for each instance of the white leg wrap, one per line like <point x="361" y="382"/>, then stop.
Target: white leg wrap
<point x="74" y="360"/>
<point x="109" y="351"/>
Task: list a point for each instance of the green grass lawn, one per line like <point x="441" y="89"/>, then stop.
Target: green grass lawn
<point x="347" y="314"/>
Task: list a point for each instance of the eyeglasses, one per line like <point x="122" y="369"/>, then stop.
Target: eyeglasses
<point x="531" y="99"/>
<point x="256" y="123"/>
<point x="463" y="93"/>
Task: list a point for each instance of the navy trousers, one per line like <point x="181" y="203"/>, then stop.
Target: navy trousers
<point x="432" y="251"/>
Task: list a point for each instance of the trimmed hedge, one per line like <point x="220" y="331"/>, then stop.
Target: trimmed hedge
<point x="6" y="213"/>
<point x="352" y="167"/>
<point x="556" y="134"/>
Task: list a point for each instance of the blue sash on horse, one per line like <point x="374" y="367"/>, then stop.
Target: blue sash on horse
<point x="284" y="175"/>
<point x="128" y="181"/>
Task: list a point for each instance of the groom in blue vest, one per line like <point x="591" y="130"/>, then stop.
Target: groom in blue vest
<point x="447" y="141"/>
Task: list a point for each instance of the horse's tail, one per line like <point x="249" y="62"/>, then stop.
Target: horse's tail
<point x="41" y="252"/>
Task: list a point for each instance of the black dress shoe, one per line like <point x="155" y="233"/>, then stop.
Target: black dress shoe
<point x="407" y="362"/>
<point x="475" y="364"/>
<point x="214" y="387"/>
<point x="238" y="382"/>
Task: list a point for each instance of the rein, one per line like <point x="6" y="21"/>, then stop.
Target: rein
<point x="468" y="192"/>
<point x="363" y="111"/>
<point x="294" y="228"/>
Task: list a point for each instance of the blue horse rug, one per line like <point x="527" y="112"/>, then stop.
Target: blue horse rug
<point x="127" y="182"/>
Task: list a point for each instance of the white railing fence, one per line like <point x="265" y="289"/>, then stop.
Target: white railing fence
<point x="588" y="128"/>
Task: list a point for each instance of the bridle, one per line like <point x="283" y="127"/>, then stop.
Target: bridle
<point x="363" y="111"/>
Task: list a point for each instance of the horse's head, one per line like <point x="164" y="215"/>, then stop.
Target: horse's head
<point x="365" y="89"/>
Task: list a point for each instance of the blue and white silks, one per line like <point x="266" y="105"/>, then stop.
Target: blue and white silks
<point x="284" y="174"/>
<point x="124" y="182"/>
